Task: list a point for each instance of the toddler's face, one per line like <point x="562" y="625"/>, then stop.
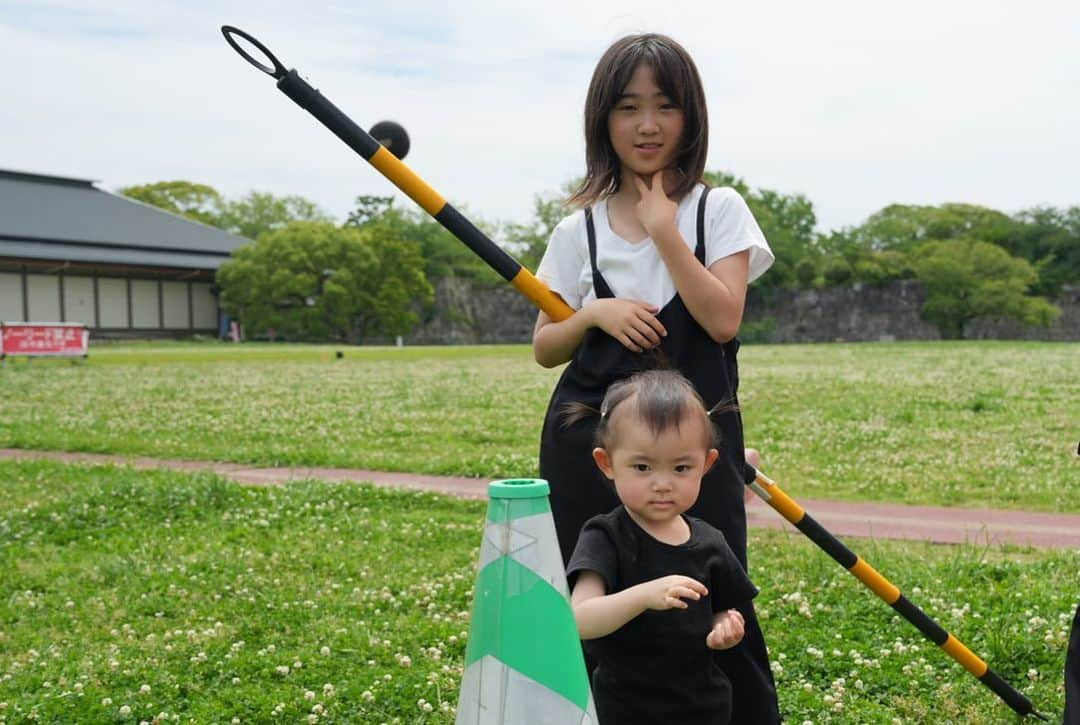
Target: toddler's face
<point x="657" y="477"/>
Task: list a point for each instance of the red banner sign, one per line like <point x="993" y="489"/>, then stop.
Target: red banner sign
<point x="28" y="338"/>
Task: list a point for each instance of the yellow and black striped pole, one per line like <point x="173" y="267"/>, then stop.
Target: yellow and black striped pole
<point x="291" y="84"/>
<point x="783" y="504"/>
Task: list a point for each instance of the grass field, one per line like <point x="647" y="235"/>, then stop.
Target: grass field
<point x="970" y="424"/>
<point x="134" y="596"/>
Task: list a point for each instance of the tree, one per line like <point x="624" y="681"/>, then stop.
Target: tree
<point x="904" y="227"/>
<point x="788" y="222"/>
<point x="401" y="291"/>
<point x="199" y="202"/>
<point x="966" y="278"/>
<point x="368" y="208"/>
<point x="1050" y="239"/>
<point x="444" y="254"/>
<point x="313" y="280"/>
<point x="528" y="242"/>
<point x="259" y="212"/>
<point x="249" y="216"/>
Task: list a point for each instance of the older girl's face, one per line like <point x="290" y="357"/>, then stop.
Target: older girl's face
<point x="645" y="126"/>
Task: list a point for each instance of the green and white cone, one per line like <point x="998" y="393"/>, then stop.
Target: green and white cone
<point x="523" y="661"/>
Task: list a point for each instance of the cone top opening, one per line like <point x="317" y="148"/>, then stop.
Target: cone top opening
<point x="518" y="488"/>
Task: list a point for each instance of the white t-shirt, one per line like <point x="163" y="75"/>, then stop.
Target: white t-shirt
<point x="637" y="271"/>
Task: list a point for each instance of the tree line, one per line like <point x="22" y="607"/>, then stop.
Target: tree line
<point x="304" y="276"/>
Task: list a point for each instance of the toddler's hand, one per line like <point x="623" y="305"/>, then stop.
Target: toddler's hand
<point x="632" y="322"/>
<point x="668" y="592"/>
<point x="727" y="631"/>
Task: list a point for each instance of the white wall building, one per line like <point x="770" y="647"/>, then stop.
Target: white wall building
<point x="70" y="252"/>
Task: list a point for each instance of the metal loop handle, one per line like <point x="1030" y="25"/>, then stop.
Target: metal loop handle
<point x="276" y="71"/>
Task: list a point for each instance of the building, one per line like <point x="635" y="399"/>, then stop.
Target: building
<point x="70" y="252"/>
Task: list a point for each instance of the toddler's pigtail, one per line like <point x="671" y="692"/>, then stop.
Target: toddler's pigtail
<point x="576" y="411"/>
<point x="722" y="408"/>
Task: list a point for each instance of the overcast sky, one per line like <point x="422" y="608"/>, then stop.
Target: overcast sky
<point x="856" y="104"/>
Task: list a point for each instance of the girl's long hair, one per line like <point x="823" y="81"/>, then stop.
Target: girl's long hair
<point x="677" y="77"/>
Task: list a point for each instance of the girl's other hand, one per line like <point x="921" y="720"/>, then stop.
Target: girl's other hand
<point x="728" y="629"/>
<point x="668" y="592"/>
<point x="632" y="322"/>
<point x="654" y="210"/>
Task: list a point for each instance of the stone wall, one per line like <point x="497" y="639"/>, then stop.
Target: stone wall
<point x="840" y="314"/>
<point x="466" y="315"/>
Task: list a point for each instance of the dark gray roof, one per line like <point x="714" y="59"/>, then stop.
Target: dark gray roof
<point x="52" y="217"/>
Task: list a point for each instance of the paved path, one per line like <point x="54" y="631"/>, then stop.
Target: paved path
<point x="867" y="520"/>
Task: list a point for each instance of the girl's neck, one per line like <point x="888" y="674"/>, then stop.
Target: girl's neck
<point x="621" y="211"/>
<point x="628" y="193"/>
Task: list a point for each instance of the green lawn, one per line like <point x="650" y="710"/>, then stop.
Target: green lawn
<point x="966" y="423"/>
<point x="128" y="595"/>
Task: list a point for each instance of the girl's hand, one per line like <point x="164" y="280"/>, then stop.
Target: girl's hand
<point x="668" y="592"/>
<point x="655" y="210"/>
<point x="728" y="629"/>
<point x="631" y="322"/>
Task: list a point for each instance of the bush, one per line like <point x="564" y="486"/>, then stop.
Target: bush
<point x="805" y="272"/>
<point x="837" y="272"/>
<point x="760" y="331"/>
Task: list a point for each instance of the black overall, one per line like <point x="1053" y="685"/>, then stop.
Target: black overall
<point x="1072" y="674"/>
<point x="579" y="491"/>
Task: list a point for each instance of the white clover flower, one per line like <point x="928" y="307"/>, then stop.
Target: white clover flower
<point x="309" y="695"/>
<point x="145" y="689"/>
<point x="325" y="651"/>
<point x="367" y="696"/>
<point x="106" y="701"/>
<point x="125" y="710"/>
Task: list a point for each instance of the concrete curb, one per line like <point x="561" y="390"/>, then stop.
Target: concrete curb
<point x="942" y="525"/>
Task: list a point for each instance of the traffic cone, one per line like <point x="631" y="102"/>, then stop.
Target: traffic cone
<point x="523" y="661"/>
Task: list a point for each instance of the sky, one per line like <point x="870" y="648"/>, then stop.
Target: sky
<point x="856" y="104"/>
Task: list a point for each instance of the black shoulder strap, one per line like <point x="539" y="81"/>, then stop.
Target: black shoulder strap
<point x="600" y="285"/>
<point x="699" y="247"/>
<point x="590" y="231"/>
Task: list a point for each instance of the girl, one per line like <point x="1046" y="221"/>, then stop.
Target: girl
<point x="657" y="269"/>
<point x="653" y="590"/>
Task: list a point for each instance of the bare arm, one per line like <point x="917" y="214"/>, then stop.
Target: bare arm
<point x="715" y="296"/>
<point x="555" y="342"/>
<point x="599" y="614"/>
<point x="632" y="322"/>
